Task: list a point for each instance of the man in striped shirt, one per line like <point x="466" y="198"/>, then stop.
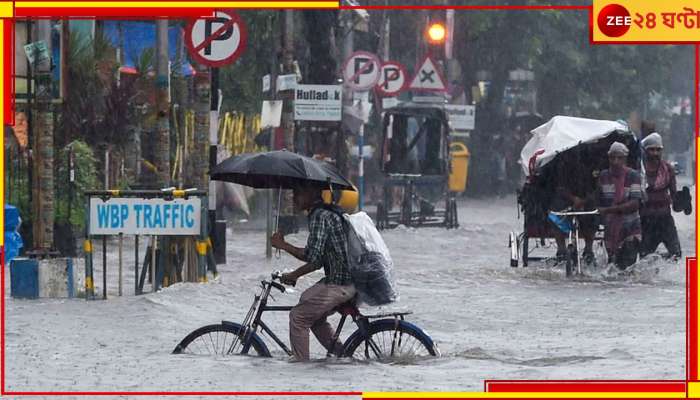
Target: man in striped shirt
<point x="619" y="196"/>
<point x="325" y="248"/>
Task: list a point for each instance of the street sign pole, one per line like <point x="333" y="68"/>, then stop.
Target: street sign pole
<point x="361" y="72"/>
<point x="361" y="166"/>
<point x="273" y="96"/>
<point x="215" y="41"/>
<point x="216" y="232"/>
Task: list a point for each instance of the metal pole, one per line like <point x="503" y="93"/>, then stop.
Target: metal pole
<point x="107" y="169"/>
<point x="136" y="265"/>
<point x="361" y="166"/>
<point x="104" y="267"/>
<point x="154" y="247"/>
<point x="121" y="277"/>
<point x="87" y="247"/>
<point x="213" y="213"/>
<point x="273" y="96"/>
<point x="268" y="230"/>
<point x="202" y="244"/>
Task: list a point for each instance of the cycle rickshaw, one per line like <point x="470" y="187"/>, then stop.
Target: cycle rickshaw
<point x="569" y="147"/>
<point x="415" y="158"/>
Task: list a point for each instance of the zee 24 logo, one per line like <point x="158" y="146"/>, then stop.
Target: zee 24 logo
<point x="615" y="20"/>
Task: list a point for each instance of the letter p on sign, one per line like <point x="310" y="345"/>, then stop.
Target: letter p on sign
<point x="361" y="70"/>
<point x="218" y="40"/>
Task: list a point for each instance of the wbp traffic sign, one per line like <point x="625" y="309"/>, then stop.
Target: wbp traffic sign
<point x="218" y="40"/>
<point x="392" y="78"/>
<point x="361" y="70"/>
<point x="428" y="77"/>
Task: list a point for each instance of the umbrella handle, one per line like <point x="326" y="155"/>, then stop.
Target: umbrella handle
<point x="279" y="205"/>
<point x="278" y="252"/>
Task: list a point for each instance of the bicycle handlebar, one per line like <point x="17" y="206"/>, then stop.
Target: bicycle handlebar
<point x="571" y="213"/>
<point x="278" y="286"/>
<point x="276" y="276"/>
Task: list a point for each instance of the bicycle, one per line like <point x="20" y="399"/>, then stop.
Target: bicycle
<point x="381" y="339"/>
<point x="573" y="256"/>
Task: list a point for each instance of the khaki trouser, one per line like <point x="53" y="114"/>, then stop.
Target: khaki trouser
<point x="315" y="304"/>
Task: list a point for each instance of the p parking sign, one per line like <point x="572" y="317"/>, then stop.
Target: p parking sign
<point x="361" y="70"/>
<point x="218" y="40"/>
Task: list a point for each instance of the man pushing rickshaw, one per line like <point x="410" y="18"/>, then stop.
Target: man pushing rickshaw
<point x="586" y="179"/>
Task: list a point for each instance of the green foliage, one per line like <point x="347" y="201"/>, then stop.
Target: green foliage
<point x="17" y="185"/>
<point x="572" y="76"/>
<point x="85" y="179"/>
<point x="240" y="82"/>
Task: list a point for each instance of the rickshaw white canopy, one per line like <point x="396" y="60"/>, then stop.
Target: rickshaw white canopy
<point x="562" y="133"/>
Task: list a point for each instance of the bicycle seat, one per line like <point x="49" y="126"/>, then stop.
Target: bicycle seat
<point x="348" y="308"/>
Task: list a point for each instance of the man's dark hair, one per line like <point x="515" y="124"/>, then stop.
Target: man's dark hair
<point x="309" y="188"/>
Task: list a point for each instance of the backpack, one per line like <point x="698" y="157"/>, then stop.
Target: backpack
<point x="369" y="260"/>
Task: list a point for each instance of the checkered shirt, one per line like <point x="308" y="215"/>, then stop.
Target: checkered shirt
<point x="326" y="246"/>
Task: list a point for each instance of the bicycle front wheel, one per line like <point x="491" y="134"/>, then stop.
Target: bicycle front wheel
<point x="220" y="339"/>
<point x="388" y="340"/>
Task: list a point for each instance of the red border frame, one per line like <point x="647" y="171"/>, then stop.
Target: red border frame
<point x="504" y="386"/>
<point x="691" y="333"/>
<point x="243" y="41"/>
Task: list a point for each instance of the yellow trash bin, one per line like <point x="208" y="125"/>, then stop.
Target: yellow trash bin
<point x="459" y="167"/>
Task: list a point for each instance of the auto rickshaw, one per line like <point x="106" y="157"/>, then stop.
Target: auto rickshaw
<point x="415" y="163"/>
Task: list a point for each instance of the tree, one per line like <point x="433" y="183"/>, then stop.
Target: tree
<point x="162" y="148"/>
<point x="43" y="185"/>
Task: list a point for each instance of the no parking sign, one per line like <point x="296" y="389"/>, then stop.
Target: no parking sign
<point x="218" y="40"/>
<point x="392" y="78"/>
<point x="361" y="70"/>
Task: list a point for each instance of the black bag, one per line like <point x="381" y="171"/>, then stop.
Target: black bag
<point x="683" y="201"/>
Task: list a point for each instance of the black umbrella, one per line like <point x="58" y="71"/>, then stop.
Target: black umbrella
<point x="279" y="169"/>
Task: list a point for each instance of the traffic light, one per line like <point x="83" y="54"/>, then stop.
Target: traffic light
<point x="436" y="32"/>
<point x="435" y="35"/>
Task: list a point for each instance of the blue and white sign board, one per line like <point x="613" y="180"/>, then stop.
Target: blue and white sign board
<point x="135" y="216"/>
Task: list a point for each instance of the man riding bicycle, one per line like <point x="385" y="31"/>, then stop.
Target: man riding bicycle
<point x="325" y="248"/>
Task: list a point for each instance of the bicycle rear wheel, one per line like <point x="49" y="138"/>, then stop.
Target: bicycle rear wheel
<point x="388" y="340"/>
<point x="220" y="339"/>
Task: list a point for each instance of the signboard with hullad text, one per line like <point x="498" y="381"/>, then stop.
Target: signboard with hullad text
<point x="135" y="216"/>
<point x="318" y="102"/>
